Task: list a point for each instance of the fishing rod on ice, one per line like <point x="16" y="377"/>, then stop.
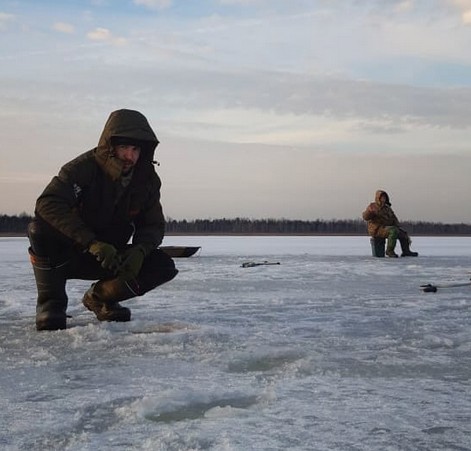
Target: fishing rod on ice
<point x="433" y="288"/>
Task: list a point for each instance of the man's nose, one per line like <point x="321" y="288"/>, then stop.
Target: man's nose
<point x="129" y="154"/>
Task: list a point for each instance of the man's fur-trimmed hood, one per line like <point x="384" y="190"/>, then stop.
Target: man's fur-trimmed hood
<point x="127" y="124"/>
<point x="378" y="194"/>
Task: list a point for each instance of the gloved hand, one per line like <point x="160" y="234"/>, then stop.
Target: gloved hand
<point x="106" y="254"/>
<point x="131" y="262"/>
<point x="373" y="209"/>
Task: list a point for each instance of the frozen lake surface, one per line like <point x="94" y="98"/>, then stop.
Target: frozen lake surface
<point x="330" y="350"/>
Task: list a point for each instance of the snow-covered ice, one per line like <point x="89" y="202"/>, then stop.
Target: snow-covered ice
<point x="330" y="350"/>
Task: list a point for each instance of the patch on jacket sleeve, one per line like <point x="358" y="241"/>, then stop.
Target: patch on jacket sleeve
<point x="77" y="190"/>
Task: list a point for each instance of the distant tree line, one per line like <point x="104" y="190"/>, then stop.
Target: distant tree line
<point x="315" y="227"/>
<point x="14" y="224"/>
<point x="265" y="226"/>
<point x="18" y="225"/>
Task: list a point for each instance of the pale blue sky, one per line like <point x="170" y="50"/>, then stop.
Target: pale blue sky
<point x="264" y="108"/>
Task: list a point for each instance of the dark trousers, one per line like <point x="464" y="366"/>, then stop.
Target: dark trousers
<point x="49" y="249"/>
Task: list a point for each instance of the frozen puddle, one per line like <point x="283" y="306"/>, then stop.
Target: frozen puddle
<point x="201" y="406"/>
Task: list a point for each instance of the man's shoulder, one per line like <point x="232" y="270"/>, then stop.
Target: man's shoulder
<point x="154" y="179"/>
<point x="148" y="175"/>
<point x="85" y="159"/>
<point x="83" y="167"/>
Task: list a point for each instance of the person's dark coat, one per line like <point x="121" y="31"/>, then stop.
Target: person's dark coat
<point x="87" y="201"/>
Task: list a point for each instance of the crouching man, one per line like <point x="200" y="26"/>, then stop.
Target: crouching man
<point x="85" y="218"/>
<point x="383" y="223"/>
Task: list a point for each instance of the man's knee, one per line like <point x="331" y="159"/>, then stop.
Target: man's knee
<point x="165" y="266"/>
<point x="393" y="232"/>
<point x="38" y="239"/>
<point x="33" y="230"/>
<point x="45" y="242"/>
<point x="158" y="269"/>
<point x="402" y="234"/>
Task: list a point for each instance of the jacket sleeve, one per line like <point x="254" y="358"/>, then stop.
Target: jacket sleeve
<point x="150" y="224"/>
<point x="395" y="220"/>
<point x="58" y="203"/>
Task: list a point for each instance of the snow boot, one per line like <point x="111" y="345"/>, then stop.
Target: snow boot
<point x="405" y="246"/>
<point x="103" y="298"/>
<point x="51" y="303"/>
<point x="391" y="254"/>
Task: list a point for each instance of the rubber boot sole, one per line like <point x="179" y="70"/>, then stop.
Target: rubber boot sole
<point x="107" y="312"/>
<point x="410" y="254"/>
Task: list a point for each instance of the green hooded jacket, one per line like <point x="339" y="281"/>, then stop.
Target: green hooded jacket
<point x="86" y="201"/>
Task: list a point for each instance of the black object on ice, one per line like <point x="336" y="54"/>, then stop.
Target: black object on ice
<point x="252" y="264"/>
<point x="429" y="288"/>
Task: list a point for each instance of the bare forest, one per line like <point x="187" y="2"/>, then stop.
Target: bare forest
<point x="17" y="225"/>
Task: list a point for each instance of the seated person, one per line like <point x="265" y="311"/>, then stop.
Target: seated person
<point x="383" y="223"/>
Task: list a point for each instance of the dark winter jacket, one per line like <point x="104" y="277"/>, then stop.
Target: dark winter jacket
<point x="379" y="216"/>
<point x="86" y="200"/>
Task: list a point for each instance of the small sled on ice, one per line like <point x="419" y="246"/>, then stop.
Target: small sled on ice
<point x="180" y="251"/>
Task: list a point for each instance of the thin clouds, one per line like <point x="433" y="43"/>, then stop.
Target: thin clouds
<point x="63" y="27"/>
<point x="154" y="4"/>
<point x="5" y="20"/>
<point x="219" y="66"/>
<point x="466" y="16"/>
<point x="338" y="98"/>
<point x="464" y="7"/>
<point x="105" y="35"/>
<point x="404" y="6"/>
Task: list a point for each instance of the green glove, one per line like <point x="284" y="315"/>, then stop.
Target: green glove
<point x="131" y="262"/>
<point x="106" y="254"/>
